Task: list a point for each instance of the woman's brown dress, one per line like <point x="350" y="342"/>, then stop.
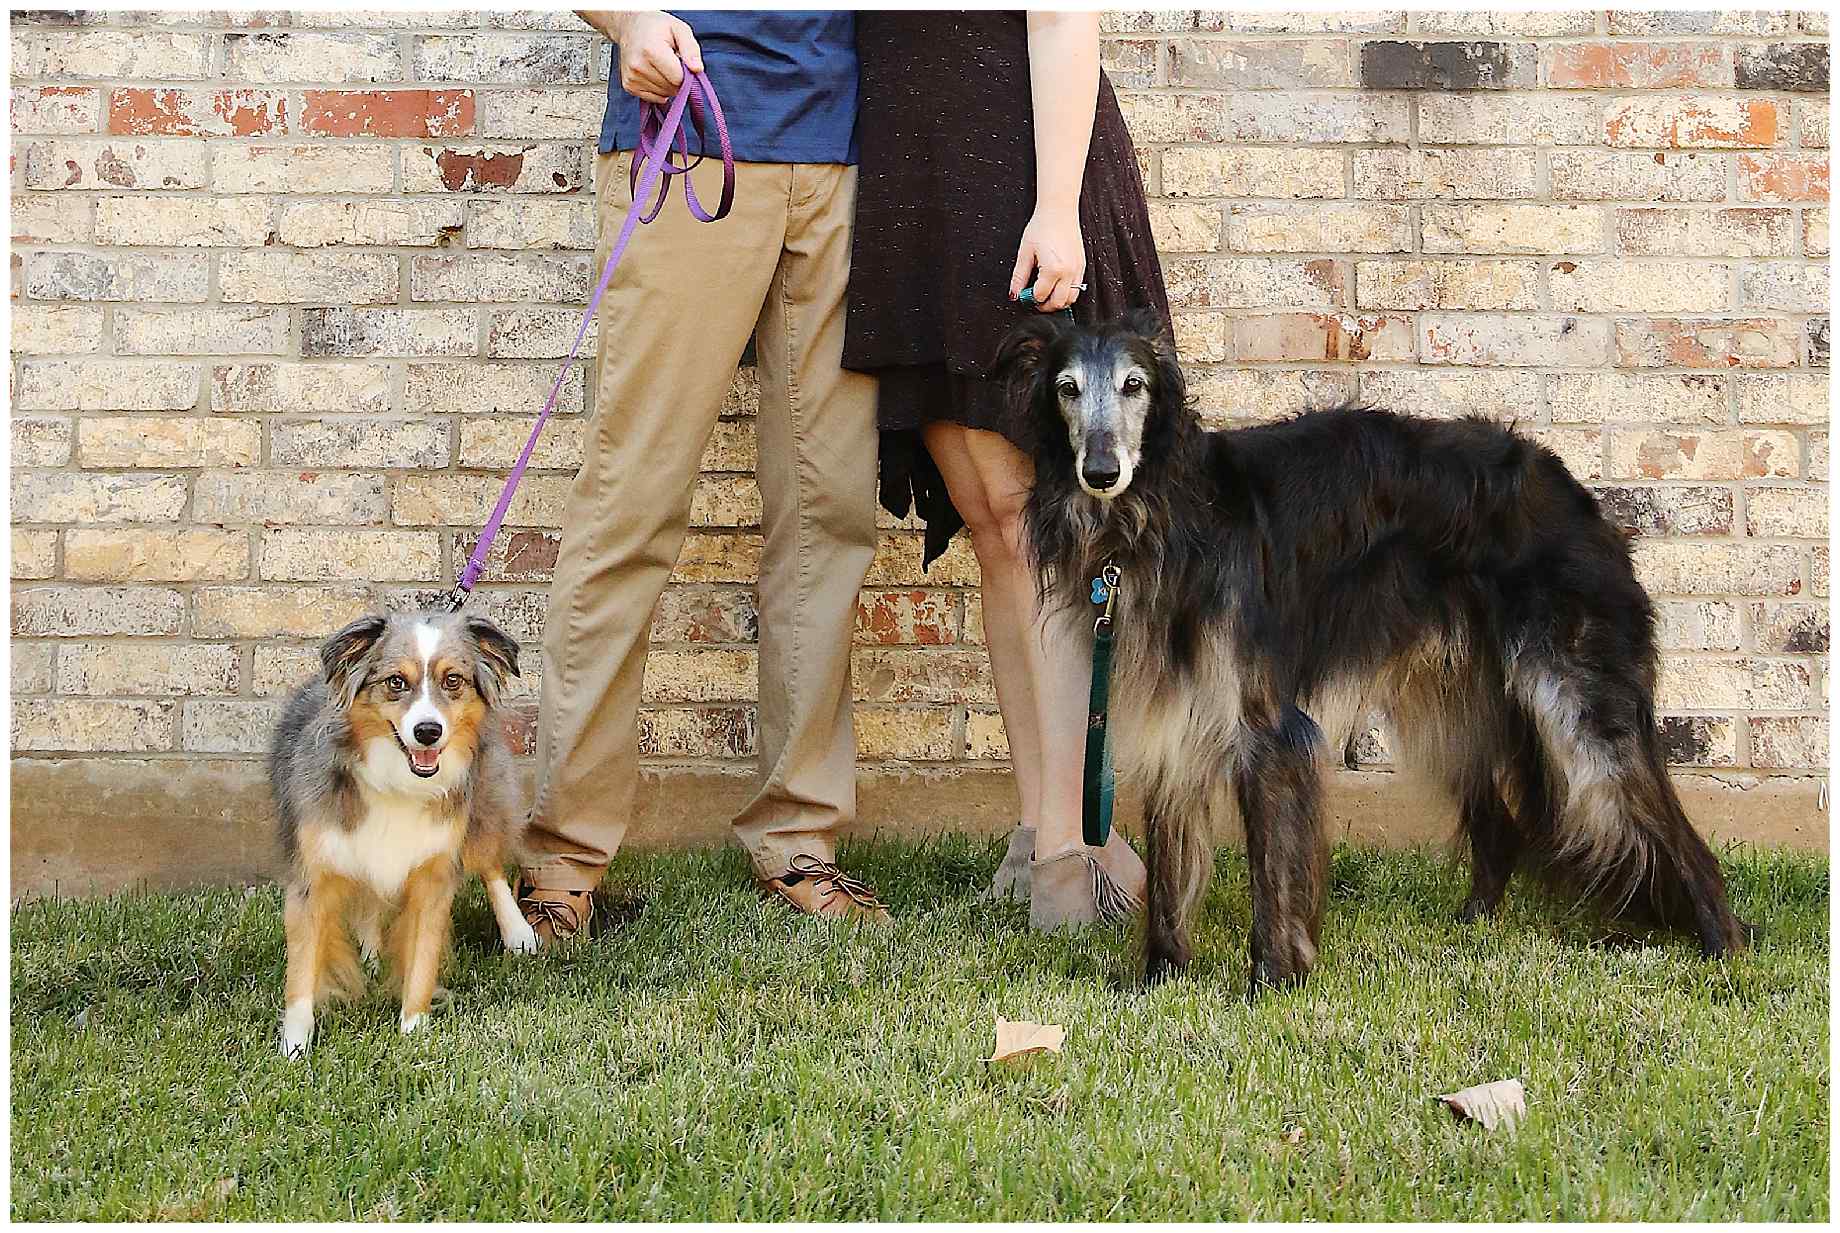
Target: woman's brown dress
<point x="947" y="184"/>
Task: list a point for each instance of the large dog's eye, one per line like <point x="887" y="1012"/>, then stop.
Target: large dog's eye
<point x="453" y="681"/>
<point x="1133" y="384"/>
<point x="396" y="685"/>
<point x="1067" y="388"/>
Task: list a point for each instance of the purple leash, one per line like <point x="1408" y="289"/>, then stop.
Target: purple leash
<point x="659" y="129"/>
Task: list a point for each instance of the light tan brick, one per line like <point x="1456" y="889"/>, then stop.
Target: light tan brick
<point x="1653" y="509"/>
<point x="1512" y="228"/>
<point x="1705" y="233"/>
<point x="290" y="497"/>
<point x="1484" y="23"/>
<point x="1446" y="175"/>
<point x="292" y="56"/>
<point x="59" y="496"/>
<point x="1814" y="232"/>
<point x="293" y="389"/>
<point x="1463" y="118"/>
<point x="536" y="333"/>
<point x="59" y="109"/>
<point x="697" y="732"/>
<point x="1201" y="338"/>
<point x="515" y="59"/>
<point x="488" y="389"/>
<point x="105" y="385"/>
<point x="87" y="725"/>
<point x="189" y="222"/>
<point x="1235" y="171"/>
<point x="1655" y="453"/>
<point x="201" y="331"/>
<point x="702" y="615"/>
<point x="307" y="278"/>
<point x="1818" y="571"/>
<point x="494" y="444"/>
<point x="1180" y="228"/>
<point x="94" y="612"/>
<point x="112" y="163"/>
<point x="1783" y="398"/>
<point x="1615" y="284"/>
<point x="1753" y="342"/>
<point x="1793" y="742"/>
<point x="1786" y="513"/>
<point x="289" y="555"/>
<point x="531" y="224"/>
<point x="280" y="669"/>
<point x="1249" y="64"/>
<point x="159" y="441"/>
<point x="111" y="53"/>
<point x="276" y="612"/>
<point x="411" y="332"/>
<point x="723" y="501"/>
<point x="540" y="113"/>
<point x="1266" y="21"/>
<point x="1777" y="286"/>
<point x="1703" y="684"/>
<point x="1349" y="228"/>
<point x="1242" y="395"/>
<point x="1499" y="394"/>
<point x="1286" y="337"/>
<point x="1255" y="282"/>
<point x="1316" y="118"/>
<point x="419" y="224"/>
<point x="985" y="739"/>
<point x="1434" y="283"/>
<point x="1791" y="629"/>
<point x="140" y="277"/>
<point x="474" y="278"/>
<point x="909" y="734"/>
<point x="362" y="442"/>
<point x="47" y="218"/>
<point x="1606" y="175"/>
<point x="41" y="440"/>
<point x="1696" y="625"/>
<point x="56" y="329"/>
<point x="1599" y="397"/>
<point x="708" y="674"/>
<point x="155" y="556"/>
<point x="467" y="500"/>
<point x="227" y="726"/>
<point x="34" y="554"/>
<point x="1675" y="568"/>
<point x="938" y="675"/>
<point x="1580" y="449"/>
<point x="162" y="669"/>
<point x="32" y="667"/>
<point x="1811" y="123"/>
<point x="1513" y="342"/>
<point x="1705" y="21"/>
<point x="336" y="167"/>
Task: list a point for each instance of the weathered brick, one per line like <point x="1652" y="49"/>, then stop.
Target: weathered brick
<point x="540" y="113"/>
<point x="40" y="440"/>
<point x="360" y="442"/>
<point x="1790" y="628"/>
<point x="1818" y="571"/>
<point x="503" y="59"/>
<point x="95" y="612"/>
<point x="292" y="56"/>
<point x="1814" y="232"/>
<point x="307" y="278"/>
<point x="474" y="278"/>
<point x="1500" y="394"/>
<point x="1487" y="22"/>
<point x="1817" y="457"/>
<point x="1580" y="449"/>
<point x="1130" y="62"/>
<point x="61" y="496"/>
<point x="201" y="331"/>
<point x="723" y="501"/>
<point x="1705" y="233"/>
<point x="1636" y="66"/>
<point x="1621" y="285"/>
<point x="162" y="669"/>
<point x="388" y="113"/>
<point x="908" y="734"/>
<point x="105" y="385"/>
<point x="1702" y="683"/>
<point x="1783" y="398"/>
<point x="56" y="109"/>
<point x="1158" y="116"/>
<point x="1349" y="228"/>
<point x="112" y="53"/>
<point x="47" y="218"/>
<point x="187" y="222"/>
<point x="279" y="669"/>
<point x="159" y="441"/>
<point x="516" y="555"/>
<point x="921" y="674"/>
<point x="87" y="725"/>
<point x="1698" y="740"/>
<point x="697" y="732"/>
<point x="1508" y="119"/>
<point x="494" y="444"/>
<point x="1699" y="122"/>
<point x="291" y="555"/>
<point x="71" y="163"/>
<point x="1757" y="342"/>
<point x="897" y="564"/>
<point x="155" y="556"/>
<point x="907" y="618"/>
<point x="1223" y="171"/>
<point x="1447" y="66"/>
<point x="1704" y="21"/>
<point x="985" y="739"/>
<point x="1267" y="21"/>
<point x="139" y="111"/>
<point x="1782" y="66"/>
<point x="536" y="333"/>
<point x="1820" y="342"/>
<point x="56" y="329"/>
<point x="1444" y="175"/>
<point x="1643" y="510"/>
<point x="1289" y="337"/>
<point x="331" y="168"/>
<point x="1811" y="123"/>
<point x="1609" y="175"/>
<point x="34" y="554"/>
<point x="1597" y="397"/>
<point x="276" y="612"/>
<point x="1512" y="228"/>
<point x="1696" y="625"/>
<point x="488" y="389"/>
<point x="1261" y="65"/>
<point x="227" y="725"/>
<point x="145" y="278"/>
<point x="1654" y="453"/>
<point x="1201" y="338"/>
<point x="1668" y="567"/>
<point x="706" y="674"/>
<point x="1513" y="342"/>
<point x="289" y="388"/>
<point x="1236" y="396"/>
<point x="1447" y="284"/>
<point x="1256" y="282"/>
<point x="411" y="332"/>
<point x="546" y="167"/>
<point x="32" y="667"/>
<point x="421" y="224"/>
<point x="531" y="224"/>
<point x="1789" y="741"/>
<point x="286" y="497"/>
<point x="1785" y="513"/>
<point x="727" y="615"/>
<point x="1781" y="287"/>
<point x="1316" y="119"/>
<point x="1179" y="228"/>
<point x="446" y="500"/>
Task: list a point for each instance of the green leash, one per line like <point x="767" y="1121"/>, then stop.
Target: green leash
<point x="1097" y="780"/>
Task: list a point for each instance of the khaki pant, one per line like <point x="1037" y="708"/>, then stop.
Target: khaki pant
<point x="676" y="318"/>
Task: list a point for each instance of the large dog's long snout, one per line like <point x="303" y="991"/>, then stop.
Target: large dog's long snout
<point x="1101" y="463"/>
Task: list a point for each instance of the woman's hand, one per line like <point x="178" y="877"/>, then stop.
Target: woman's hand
<point x="1053" y="253"/>
<point x="651" y="44"/>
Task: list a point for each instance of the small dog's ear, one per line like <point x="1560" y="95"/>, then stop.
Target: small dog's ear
<point x="1020" y="355"/>
<point x="342" y="653"/>
<point x="498" y="655"/>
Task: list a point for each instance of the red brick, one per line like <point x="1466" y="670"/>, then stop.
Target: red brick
<point x="1641" y="66"/>
<point x="388" y="113"/>
<point x="194" y="113"/>
<point x="1672" y="342"/>
<point x="1693" y="123"/>
<point x="1782" y="177"/>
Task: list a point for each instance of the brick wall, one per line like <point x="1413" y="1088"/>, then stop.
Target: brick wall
<point x="288" y="288"/>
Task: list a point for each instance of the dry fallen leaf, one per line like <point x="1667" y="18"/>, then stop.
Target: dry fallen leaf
<point x="1502" y="1103"/>
<point x="1020" y="1038"/>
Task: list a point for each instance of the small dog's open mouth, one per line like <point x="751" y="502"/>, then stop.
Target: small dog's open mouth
<point x="424" y="762"/>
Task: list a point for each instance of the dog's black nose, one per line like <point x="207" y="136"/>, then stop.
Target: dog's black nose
<point x="428" y="733"/>
<point x="1100" y="476"/>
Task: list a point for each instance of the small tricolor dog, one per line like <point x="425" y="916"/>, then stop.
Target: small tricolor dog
<point x="391" y="774"/>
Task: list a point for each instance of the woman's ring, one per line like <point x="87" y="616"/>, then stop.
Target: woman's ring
<point x="1079" y="286"/>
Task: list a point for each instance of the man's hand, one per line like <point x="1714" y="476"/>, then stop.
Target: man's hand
<point x="651" y="44"/>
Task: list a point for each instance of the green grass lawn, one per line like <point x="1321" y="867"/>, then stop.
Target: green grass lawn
<point x="716" y="1058"/>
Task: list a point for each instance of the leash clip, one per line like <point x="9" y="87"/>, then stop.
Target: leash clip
<point x="1105" y="591"/>
<point x="456" y="598"/>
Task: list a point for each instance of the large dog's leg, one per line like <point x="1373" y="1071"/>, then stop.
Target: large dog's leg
<point x="1280" y="797"/>
<point x="1181" y="857"/>
<point x="1494" y="850"/>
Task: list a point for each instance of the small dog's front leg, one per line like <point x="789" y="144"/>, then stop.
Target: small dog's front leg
<point x="420" y="936"/>
<point x="513" y="929"/>
<point x="310" y="916"/>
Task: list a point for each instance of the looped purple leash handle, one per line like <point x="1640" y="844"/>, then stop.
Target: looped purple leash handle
<point x="659" y="129"/>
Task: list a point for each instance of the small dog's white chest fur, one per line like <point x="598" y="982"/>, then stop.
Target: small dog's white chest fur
<point x="396" y="835"/>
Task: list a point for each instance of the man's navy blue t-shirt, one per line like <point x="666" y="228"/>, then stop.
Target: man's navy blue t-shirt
<point x="787" y="82"/>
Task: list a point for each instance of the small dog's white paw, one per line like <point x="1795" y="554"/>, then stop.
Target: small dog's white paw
<point x="411" y="1022"/>
<point x="296" y="1032"/>
<point x="521" y="939"/>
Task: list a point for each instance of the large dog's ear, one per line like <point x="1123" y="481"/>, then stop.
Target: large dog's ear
<point x="343" y="654"/>
<point x="1147" y="325"/>
<point x="1019" y="357"/>
<point x="498" y="656"/>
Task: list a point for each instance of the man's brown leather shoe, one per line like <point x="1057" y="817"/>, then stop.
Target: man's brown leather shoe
<point x="556" y="915"/>
<point x="819" y="888"/>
